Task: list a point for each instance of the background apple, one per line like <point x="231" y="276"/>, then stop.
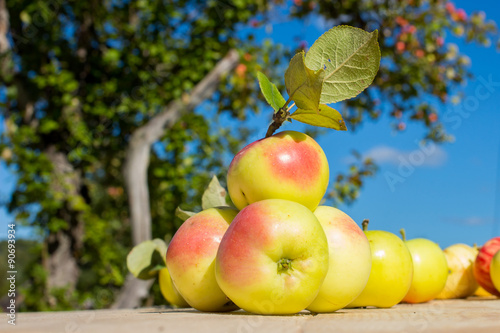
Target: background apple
<point x="169" y="291"/>
<point x="482" y="265"/>
<point x="430" y="270"/>
<point x="495" y="270"/>
<point x="288" y="165"/>
<point x="191" y="259"/>
<point x="482" y="293"/>
<point x="273" y="258"/>
<point x="391" y="273"/>
<point x="460" y="282"/>
<point x="349" y="264"/>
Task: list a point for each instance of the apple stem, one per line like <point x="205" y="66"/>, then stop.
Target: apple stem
<point x="364" y="224"/>
<point x="403" y="234"/>
<point x="278" y="119"/>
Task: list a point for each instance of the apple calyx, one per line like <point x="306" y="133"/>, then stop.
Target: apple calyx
<point x="364" y="224"/>
<point x="284" y="264"/>
<point x="403" y="234"/>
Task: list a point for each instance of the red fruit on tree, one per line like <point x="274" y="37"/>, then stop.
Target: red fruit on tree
<point x="440" y="41"/>
<point x="241" y="70"/>
<point x="450" y="7"/>
<point x="461" y="14"/>
<point x="400" y="46"/>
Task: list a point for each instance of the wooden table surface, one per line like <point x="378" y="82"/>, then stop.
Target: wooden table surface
<point x="474" y="314"/>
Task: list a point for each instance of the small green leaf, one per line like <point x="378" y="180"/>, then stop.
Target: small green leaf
<point x="350" y="58"/>
<point x="214" y="195"/>
<point x="48" y="125"/>
<point x="183" y="214"/>
<point x="270" y="92"/>
<point x="303" y="85"/>
<point x="147" y="258"/>
<point x="326" y="117"/>
<point x="161" y="247"/>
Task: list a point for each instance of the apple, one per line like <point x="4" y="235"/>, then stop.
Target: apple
<point x="288" y="165"/>
<point x="482" y="265"/>
<point x="169" y="291"/>
<point x="430" y="270"/>
<point x="273" y="258"/>
<point x="391" y="273"/>
<point x="350" y="261"/>
<point x="482" y="293"/>
<point x="461" y="282"/>
<point x="191" y="259"/>
<point x="495" y="270"/>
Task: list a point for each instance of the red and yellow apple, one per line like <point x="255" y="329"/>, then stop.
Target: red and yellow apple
<point x="273" y="258"/>
<point x="191" y="259"/>
<point x="460" y="282"/>
<point x="483" y="263"/>
<point x="430" y="270"/>
<point x="349" y="264"/>
<point x="495" y="270"/>
<point x="288" y="165"/>
<point x="391" y="273"/>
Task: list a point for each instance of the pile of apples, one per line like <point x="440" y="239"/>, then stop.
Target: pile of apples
<point x="279" y="252"/>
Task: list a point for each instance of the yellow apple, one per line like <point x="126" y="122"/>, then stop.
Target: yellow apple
<point x="288" y="165"/>
<point x="430" y="270"/>
<point x="169" y="291"/>
<point x="273" y="258"/>
<point x="482" y="293"/>
<point x="461" y="282"/>
<point x="191" y="259"/>
<point x="350" y="260"/>
<point x="391" y="273"/>
<point x="495" y="271"/>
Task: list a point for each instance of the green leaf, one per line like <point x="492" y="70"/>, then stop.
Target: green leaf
<point x="350" y="58"/>
<point x="270" y="92"/>
<point x="147" y="258"/>
<point x="48" y="125"/>
<point x="183" y="214"/>
<point x="303" y="85"/>
<point x="326" y="117"/>
<point x="214" y="195"/>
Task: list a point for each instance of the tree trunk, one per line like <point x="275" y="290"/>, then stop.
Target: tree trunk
<point x="137" y="163"/>
<point x="62" y="247"/>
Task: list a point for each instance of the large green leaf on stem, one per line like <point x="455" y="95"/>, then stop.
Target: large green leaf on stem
<point x="303" y="85"/>
<point x="270" y="92"/>
<point x="327" y="117"/>
<point x="147" y="258"/>
<point x="214" y="195"/>
<point x="350" y="58"/>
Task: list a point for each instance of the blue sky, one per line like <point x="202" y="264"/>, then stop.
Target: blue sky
<point x="450" y="194"/>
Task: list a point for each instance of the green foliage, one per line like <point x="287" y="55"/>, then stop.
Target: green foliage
<point x="270" y="92"/>
<point x="325" y="117"/>
<point x="303" y="85"/>
<point x="214" y="196"/>
<point x="147" y="258"/>
<point x="350" y="58"/>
